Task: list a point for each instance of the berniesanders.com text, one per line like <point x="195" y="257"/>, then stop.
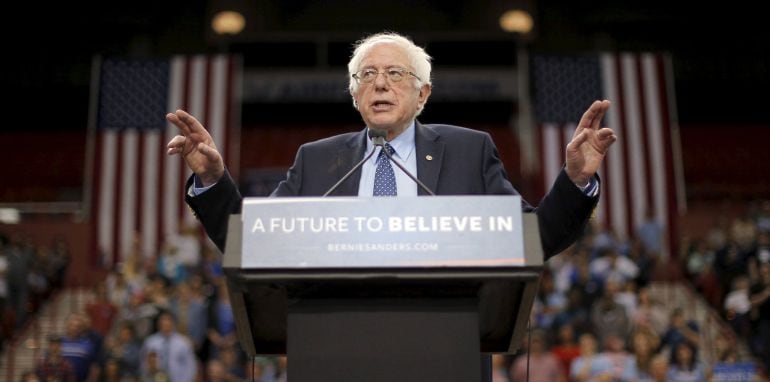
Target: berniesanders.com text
<point x="382" y="247"/>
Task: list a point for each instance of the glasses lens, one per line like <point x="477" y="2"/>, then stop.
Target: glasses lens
<point x="395" y="74"/>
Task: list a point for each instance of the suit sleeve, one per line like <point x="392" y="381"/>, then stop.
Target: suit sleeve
<point x="214" y="207"/>
<point x="562" y="213"/>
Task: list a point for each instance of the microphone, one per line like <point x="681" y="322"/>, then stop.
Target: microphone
<point x="378" y="138"/>
<point x="381" y="143"/>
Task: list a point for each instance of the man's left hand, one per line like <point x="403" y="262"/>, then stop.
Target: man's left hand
<point x="589" y="144"/>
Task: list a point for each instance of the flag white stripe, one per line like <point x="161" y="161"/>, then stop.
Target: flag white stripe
<point x="107" y="194"/>
<point x="567" y="131"/>
<point x="655" y="133"/>
<point x="128" y="174"/>
<point x="552" y="155"/>
<point x="615" y="153"/>
<point x="197" y="103"/>
<point x="150" y="213"/>
<point x="218" y="100"/>
<point x="171" y="186"/>
<point x="600" y="213"/>
<point x="633" y="123"/>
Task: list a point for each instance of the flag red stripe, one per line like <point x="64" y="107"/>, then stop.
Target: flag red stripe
<point x="645" y="137"/>
<point x="624" y="142"/>
<point x="139" y="184"/>
<point x="673" y="212"/>
<point x="541" y="144"/>
<point x="231" y="160"/>
<point x="606" y="198"/>
<point x="182" y="166"/>
<point x="96" y="196"/>
<point x="560" y="134"/>
<point x="114" y="255"/>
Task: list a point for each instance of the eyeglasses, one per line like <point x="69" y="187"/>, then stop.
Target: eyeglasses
<point x="396" y="74"/>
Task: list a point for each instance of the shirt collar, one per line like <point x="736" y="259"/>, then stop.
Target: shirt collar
<point x="403" y="144"/>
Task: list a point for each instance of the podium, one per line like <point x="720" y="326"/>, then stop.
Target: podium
<point x="383" y="289"/>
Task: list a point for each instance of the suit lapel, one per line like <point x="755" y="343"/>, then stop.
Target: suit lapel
<point x="347" y="157"/>
<point x="430" y="154"/>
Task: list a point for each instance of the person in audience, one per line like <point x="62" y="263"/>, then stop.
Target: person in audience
<point x="650" y="234"/>
<point x="684" y="366"/>
<point x="499" y="369"/>
<point x="622" y="367"/>
<point x="221" y="332"/>
<point x="152" y="371"/>
<point x="112" y="371"/>
<point x="589" y="284"/>
<point x="81" y="348"/>
<point x="680" y="330"/>
<point x="737" y="306"/>
<point x="3" y="288"/>
<point x="551" y="301"/>
<point x="191" y="314"/>
<point x="126" y="349"/>
<point x="658" y="370"/>
<point x="140" y="314"/>
<point x="730" y="262"/>
<point x="649" y="313"/>
<point x="644" y="351"/>
<point x="576" y="314"/>
<point x="20" y="256"/>
<point x="231" y="359"/>
<point x="101" y="311"/>
<point x="724" y="348"/>
<point x="53" y="367"/>
<point x="215" y="372"/>
<point x="611" y="263"/>
<point x="174" y="351"/>
<point x="589" y="366"/>
<point x="760" y="316"/>
<point x="543" y="366"/>
<point x="567" y="349"/>
<point x="607" y="316"/>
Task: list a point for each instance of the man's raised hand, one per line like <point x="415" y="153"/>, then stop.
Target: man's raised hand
<point x="589" y="144"/>
<point x="196" y="147"/>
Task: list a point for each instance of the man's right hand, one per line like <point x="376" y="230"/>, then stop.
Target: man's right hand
<point x="197" y="148"/>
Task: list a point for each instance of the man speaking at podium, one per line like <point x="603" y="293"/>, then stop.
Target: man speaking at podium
<point x="390" y="82"/>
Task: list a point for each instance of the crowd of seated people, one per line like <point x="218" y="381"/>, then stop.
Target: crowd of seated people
<point x="595" y="318"/>
<point x="168" y="317"/>
<point x="158" y="318"/>
<point x="730" y="266"/>
<point x="30" y="272"/>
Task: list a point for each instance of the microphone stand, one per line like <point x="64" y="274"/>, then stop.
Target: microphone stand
<point x="349" y="173"/>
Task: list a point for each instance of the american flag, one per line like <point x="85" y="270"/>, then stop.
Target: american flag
<point x="642" y="171"/>
<point x="136" y="189"/>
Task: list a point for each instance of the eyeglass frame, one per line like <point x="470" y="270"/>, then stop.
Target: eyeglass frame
<point x="385" y="72"/>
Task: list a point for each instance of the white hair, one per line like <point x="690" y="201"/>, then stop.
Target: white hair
<point x="418" y="58"/>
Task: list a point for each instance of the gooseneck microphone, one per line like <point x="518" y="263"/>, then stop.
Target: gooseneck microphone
<point x="376" y="136"/>
<point x="381" y="142"/>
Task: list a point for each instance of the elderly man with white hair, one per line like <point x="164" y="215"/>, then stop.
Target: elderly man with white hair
<point x="390" y="83"/>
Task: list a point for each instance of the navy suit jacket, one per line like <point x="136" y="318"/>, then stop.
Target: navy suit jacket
<point x="463" y="162"/>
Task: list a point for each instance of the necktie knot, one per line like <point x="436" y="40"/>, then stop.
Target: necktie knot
<point x="389" y="148"/>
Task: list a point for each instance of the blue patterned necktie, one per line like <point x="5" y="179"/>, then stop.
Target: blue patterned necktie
<point x="384" y="177"/>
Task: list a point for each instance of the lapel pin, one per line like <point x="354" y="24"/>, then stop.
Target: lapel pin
<point x="429" y="157"/>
